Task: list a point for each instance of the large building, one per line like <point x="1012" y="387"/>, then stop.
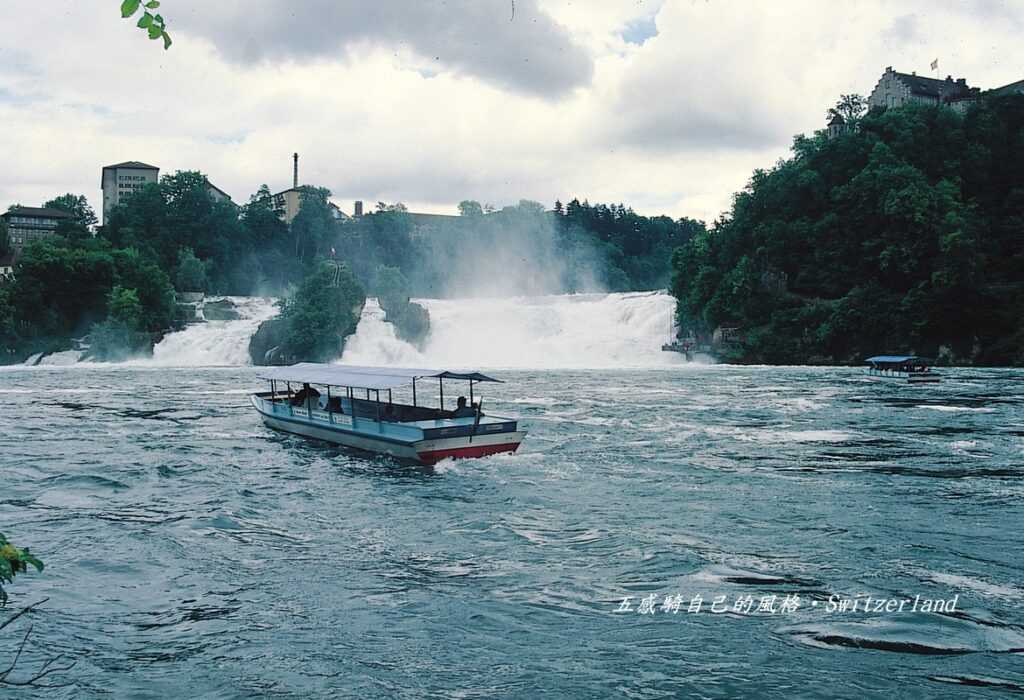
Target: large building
<point x="897" y="89"/>
<point x="1016" y="88"/>
<point x="27" y="224"/>
<point x="124" y="179"/>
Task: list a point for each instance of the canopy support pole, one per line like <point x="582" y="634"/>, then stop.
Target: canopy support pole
<point x="273" y="396"/>
<point x="440" y="383"/>
<point x="330" y="414"/>
<point x="291" y="411"/>
<point x="414" y="392"/>
<point x="470" y="392"/>
<point x="309" y="406"/>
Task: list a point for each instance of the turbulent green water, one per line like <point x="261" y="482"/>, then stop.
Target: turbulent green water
<point x="192" y="552"/>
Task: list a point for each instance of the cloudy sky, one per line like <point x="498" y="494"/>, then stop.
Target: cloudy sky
<point x="665" y="106"/>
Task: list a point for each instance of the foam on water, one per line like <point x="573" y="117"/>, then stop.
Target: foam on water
<point x="215" y="343"/>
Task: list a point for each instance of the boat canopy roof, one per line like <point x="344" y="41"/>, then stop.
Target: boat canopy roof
<point x="363" y="377"/>
<point x="896" y="359"/>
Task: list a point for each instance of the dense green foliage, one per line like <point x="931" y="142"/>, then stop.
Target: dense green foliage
<point x="13" y="561"/>
<point x="520" y="249"/>
<point x="190" y="274"/>
<point x="411" y="320"/>
<point x="62" y="287"/>
<point x="633" y="248"/>
<point x="78" y="206"/>
<point x="315" y="319"/>
<point x="906" y="234"/>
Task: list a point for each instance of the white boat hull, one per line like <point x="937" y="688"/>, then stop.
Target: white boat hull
<point x="427" y="451"/>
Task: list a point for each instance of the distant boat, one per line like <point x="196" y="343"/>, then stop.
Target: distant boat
<point x="374" y="423"/>
<point x="909" y="368"/>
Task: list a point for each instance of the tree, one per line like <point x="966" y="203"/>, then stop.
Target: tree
<point x="190" y="275"/>
<point x="470" y="209"/>
<point x="321" y="313"/>
<point x="313" y="227"/>
<point x="76" y="205"/>
<point x="900" y="236"/>
<point x="849" y="107"/>
<point x="123" y="307"/>
<point x="153" y="24"/>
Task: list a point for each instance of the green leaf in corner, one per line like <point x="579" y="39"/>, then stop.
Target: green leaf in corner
<point x="152" y="4"/>
<point x="145" y="21"/>
<point x="6" y="572"/>
<point x="128" y="7"/>
<point x="26" y="557"/>
<point x="167" y="41"/>
<point x="155" y="32"/>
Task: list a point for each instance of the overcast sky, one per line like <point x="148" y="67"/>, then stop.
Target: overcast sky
<point x="664" y="106"/>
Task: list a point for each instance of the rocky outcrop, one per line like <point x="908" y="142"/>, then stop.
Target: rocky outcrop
<point x="411" y="321"/>
<point x="220" y="310"/>
<point x="267" y="345"/>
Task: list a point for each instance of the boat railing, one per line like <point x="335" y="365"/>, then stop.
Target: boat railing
<point x="363" y="422"/>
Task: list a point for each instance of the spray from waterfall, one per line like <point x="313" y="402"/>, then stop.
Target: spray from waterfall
<point x="557" y="331"/>
<point x="214" y="343"/>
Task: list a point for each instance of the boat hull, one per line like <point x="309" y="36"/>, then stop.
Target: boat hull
<point x="426" y="451"/>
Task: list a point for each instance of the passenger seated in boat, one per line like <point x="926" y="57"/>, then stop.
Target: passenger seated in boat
<point x="462" y="410"/>
<point x="306" y="392"/>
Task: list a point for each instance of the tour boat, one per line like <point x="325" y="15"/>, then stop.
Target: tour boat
<point x="913" y="369"/>
<point x="354" y="408"/>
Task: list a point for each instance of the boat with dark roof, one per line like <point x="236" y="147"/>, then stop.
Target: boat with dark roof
<point x="909" y="368"/>
<point x="352" y="411"/>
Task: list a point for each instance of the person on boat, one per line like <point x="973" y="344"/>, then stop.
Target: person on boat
<point x="462" y="410"/>
<point x="306" y="392"/>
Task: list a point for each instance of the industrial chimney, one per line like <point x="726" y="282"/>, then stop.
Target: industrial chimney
<point x="295" y="170"/>
<point x="358" y="210"/>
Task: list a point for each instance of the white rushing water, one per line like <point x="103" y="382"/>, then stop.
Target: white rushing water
<point x="564" y="331"/>
<point x="215" y="343"/>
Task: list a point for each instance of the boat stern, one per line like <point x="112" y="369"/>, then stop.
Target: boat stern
<point x="466" y="447"/>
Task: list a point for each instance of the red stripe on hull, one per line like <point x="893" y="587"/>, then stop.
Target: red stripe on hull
<point x="434" y="456"/>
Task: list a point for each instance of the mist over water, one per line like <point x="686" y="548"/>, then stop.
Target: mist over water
<point x="556" y="331"/>
<point x="598" y="331"/>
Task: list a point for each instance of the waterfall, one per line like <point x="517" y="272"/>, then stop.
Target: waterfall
<point x="215" y="343"/>
<point x="558" y="331"/>
<point x="566" y="330"/>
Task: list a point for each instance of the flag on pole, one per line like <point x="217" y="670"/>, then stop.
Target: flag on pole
<point x="935" y="64"/>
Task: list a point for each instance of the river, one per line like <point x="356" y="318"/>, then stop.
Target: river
<point x="192" y="552"/>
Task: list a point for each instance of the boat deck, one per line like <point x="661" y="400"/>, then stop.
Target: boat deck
<point x="405" y="431"/>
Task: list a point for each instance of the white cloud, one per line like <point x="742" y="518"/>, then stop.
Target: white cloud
<point x="673" y="125"/>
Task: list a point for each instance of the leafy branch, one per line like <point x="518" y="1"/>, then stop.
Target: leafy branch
<point x="12" y="562"/>
<point x="152" y="23"/>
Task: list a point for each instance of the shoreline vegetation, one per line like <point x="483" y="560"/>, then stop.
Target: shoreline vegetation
<point x="118" y="291"/>
<point x="903" y="234"/>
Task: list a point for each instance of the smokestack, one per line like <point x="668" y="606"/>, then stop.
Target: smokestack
<point x="295" y="170"/>
<point x="358" y="208"/>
